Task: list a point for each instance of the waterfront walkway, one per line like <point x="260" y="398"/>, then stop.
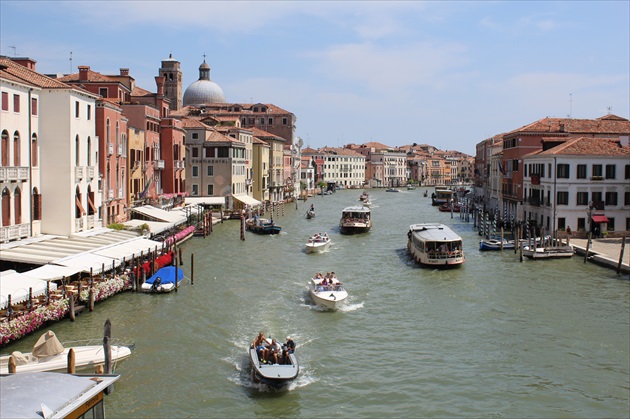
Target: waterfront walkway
<point x="605" y="252"/>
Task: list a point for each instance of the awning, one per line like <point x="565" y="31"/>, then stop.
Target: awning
<point x="599" y="219"/>
<point x="157" y="214"/>
<point x="51" y="272"/>
<point x="247" y="200"/>
<point x="155" y="227"/>
<point x="85" y="261"/>
<point x="205" y="200"/>
<point x="17" y="286"/>
<point x="129" y="249"/>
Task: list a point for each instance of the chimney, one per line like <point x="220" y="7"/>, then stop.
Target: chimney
<point x="159" y="81"/>
<point x="124" y="71"/>
<point x="83" y="72"/>
<point x="24" y="61"/>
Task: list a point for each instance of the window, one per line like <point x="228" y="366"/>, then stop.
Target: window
<point x="562" y="171"/>
<point x="611" y="198"/>
<point x="5" y="101"/>
<point x="596" y="197"/>
<point x="195" y="135"/>
<point x="262" y="121"/>
<point x="210" y="190"/>
<point x="610" y="226"/>
<point x="563" y="198"/>
<point x="626" y="198"/>
<point x="210" y="170"/>
<point x="627" y="171"/>
<point x="16" y="148"/>
<point x="102" y="91"/>
<point x="611" y="170"/>
<point x="16" y="103"/>
<point x="581" y="171"/>
<point x="37" y="205"/>
<point x="562" y="223"/>
<point x="195" y="152"/>
<point x="195" y="189"/>
<point x="34" y="149"/>
<point x="34" y="106"/>
<point x="581" y="224"/>
<point x="628" y="224"/>
<point x="270" y="121"/>
<point x="76" y="109"/>
<point x="285" y="121"/>
<point x="195" y="171"/>
<point x="582" y="198"/>
<point x="597" y="170"/>
<point x="89" y="112"/>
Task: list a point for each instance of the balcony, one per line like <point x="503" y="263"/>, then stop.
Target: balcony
<point x="120" y="150"/>
<point x="158" y="164"/>
<point x="79" y="173"/>
<point x="120" y="193"/>
<point x="91" y="222"/>
<point x="597" y="177"/>
<point x="90" y="172"/>
<point x="13" y="174"/>
<point x="16" y="232"/>
<point x="110" y="194"/>
<point x="110" y="149"/>
<point x="78" y="224"/>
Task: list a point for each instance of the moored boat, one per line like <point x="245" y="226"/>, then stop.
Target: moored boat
<point x="262" y="226"/>
<point x="496" y="244"/>
<point x="355" y="219"/>
<point x="166" y="279"/>
<point x="327" y="292"/>
<point x="318" y="243"/>
<point x="49" y="354"/>
<point x="272" y="364"/>
<point x="434" y="244"/>
<point x="448" y="207"/>
<point x="557" y="252"/>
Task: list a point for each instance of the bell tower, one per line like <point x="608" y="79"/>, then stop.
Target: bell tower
<point x="173" y="81"/>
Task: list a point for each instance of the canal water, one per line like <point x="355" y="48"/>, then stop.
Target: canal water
<point x="496" y="337"/>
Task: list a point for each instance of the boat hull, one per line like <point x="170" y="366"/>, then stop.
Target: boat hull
<point x="332" y="300"/>
<point x="274" y="375"/>
<point x="317" y="247"/>
<point x="487" y="245"/>
<point x="86" y="358"/>
<point x="354" y="228"/>
<point x="548" y="252"/>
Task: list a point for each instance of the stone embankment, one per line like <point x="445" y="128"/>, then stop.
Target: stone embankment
<point x="605" y="252"/>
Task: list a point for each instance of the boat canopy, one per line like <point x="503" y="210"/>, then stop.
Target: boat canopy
<point x="167" y="275"/>
<point x="434" y="232"/>
<point x="47" y="345"/>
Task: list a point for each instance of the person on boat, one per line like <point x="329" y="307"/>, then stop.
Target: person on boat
<point x="259" y="344"/>
<point x="271" y="353"/>
<point x="288" y="348"/>
<point x="443" y="248"/>
<point x="312" y="207"/>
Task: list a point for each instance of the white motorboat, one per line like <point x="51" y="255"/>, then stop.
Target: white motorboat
<point x="318" y="243"/>
<point x="496" y="244"/>
<point x="166" y="279"/>
<point x="434" y="244"/>
<point x="49" y="354"/>
<point x="277" y="375"/>
<point x="557" y="252"/>
<point x="331" y="295"/>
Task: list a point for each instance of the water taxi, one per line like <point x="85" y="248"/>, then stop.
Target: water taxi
<point x="434" y="244"/>
<point x="331" y="295"/>
<point x="356" y="219"/>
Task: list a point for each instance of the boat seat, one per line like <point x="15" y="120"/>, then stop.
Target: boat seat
<point x="19" y="358"/>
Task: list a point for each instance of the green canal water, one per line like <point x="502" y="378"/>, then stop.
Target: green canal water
<point x="494" y="338"/>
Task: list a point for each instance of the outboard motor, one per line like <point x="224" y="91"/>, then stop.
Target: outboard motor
<point x="155" y="287"/>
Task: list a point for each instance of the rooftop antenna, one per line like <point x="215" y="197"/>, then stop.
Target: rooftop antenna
<point x="609" y="110"/>
<point x="14" y="50"/>
<point x="570" y="105"/>
<point x="70" y="62"/>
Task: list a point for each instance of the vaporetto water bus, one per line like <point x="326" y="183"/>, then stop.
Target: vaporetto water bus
<point x="434" y="244"/>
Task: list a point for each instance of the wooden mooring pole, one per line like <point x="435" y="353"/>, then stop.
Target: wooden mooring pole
<point x="623" y="246"/>
<point x="588" y="246"/>
<point x="192" y="269"/>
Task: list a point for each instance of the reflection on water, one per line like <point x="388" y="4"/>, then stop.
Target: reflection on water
<point x="494" y="337"/>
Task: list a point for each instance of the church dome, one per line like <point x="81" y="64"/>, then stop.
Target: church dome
<point x="204" y="90"/>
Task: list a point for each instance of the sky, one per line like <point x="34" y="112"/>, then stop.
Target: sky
<point x="445" y="73"/>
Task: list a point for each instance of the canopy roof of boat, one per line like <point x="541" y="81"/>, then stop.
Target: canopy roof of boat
<point x="434" y="232"/>
<point x="356" y="208"/>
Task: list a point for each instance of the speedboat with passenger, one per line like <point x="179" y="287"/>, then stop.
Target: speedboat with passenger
<point x="260" y="225"/>
<point x="266" y="370"/>
<point x="318" y="243"/>
<point x="327" y="292"/>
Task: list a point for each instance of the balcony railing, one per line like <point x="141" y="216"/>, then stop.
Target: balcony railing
<point x="158" y="164"/>
<point x="120" y="150"/>
<point x="120" y="193"/>
<point x="110" y="194"/>
<point x="597" y="177"/>
<point x="16" y="232"/>
<point x="91" y="222"/>
<point x="78" y="224"/>
<point x="78" y="172"/>
<point x="110" y="149"/>
<point x="8" y="174"/>
<point x="90" y="172"/>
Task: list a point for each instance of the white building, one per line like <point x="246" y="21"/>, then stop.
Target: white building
<point x="582" y="183"/>
<point x="343" y="167"/>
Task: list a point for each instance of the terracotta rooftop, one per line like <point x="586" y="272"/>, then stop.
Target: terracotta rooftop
<point x="17" y="72"/>
<point x="193" y="123"/>
<point x="608" y="124"/>
<point x="260" y="133"/>
<point x="139" y="91"/>
<point x="586" y="146"/>
<point x="93" y="76"/>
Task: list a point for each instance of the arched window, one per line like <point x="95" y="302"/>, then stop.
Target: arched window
<point x="117" y="133"/>
<point x="79" y="211"/>
<point x="90" y="197"/>
<point x="107" y="131"/>
<point x="16" y="148"/>
<point x="37" y="205"/>
<point x="34" y="151"/>
<point x="76" y="151"/>
<point x="5" y="148"/>
<point x="6" y="207"/>
<point x="17" y="204"/>
<point x="89" y="151"/>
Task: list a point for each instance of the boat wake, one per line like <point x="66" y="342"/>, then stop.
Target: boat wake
<point x="351" y="307"/>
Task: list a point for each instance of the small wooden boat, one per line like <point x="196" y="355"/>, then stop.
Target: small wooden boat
<point x="331" y="295"/>
<point x="548" y="252"/>
<point x="276" y="375"/>
<point x="449" y="208"/>
<point x="310" y="214"/>
<point x="318" y="243"/>
<point x="166" y="279"/>
<point x="49" y="354"/>
<point x="495" y="244"/>
<point x="262" y="226"/>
